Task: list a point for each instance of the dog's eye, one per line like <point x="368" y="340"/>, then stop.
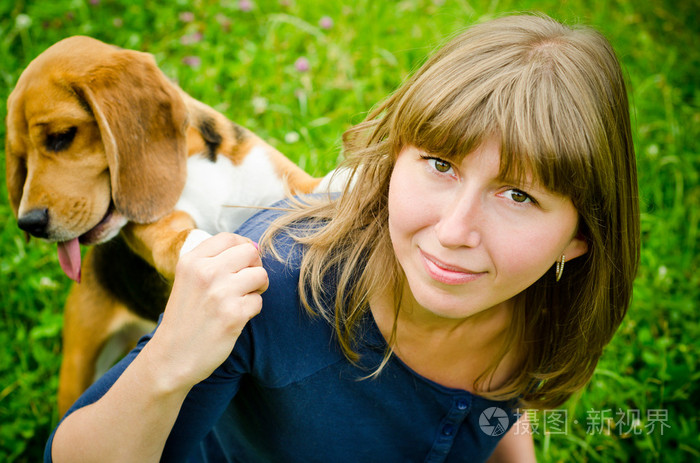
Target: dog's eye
<point x="60" y="141"/>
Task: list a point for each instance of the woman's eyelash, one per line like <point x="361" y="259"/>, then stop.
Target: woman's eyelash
<point x="438" y="164"/>
<point x="520" y="197"/>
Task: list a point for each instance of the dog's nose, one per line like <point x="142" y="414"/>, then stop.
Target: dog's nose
<point x="35" y="222"/>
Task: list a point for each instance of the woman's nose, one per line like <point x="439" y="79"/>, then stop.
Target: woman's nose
<point x="460" y="223"/>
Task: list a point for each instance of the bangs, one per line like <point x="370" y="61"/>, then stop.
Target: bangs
<point x="524" y="100"/>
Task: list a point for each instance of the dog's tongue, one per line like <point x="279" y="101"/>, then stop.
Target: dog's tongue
<point x="69" y="258"/>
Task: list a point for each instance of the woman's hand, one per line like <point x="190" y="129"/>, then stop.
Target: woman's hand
<point x="216" y="292"/>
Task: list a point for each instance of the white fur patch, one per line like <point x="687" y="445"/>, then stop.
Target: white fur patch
<point x="194" y="238"/>
<point x="213" y="186"/>
<point x="334" y="181"/>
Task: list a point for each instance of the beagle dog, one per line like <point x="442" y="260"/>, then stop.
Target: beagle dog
<point x="102" y="149"/>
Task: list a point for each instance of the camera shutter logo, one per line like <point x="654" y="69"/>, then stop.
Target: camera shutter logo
<point x="494" y="421"/>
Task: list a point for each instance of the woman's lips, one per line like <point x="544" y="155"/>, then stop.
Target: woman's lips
<point x="446" y="273"/>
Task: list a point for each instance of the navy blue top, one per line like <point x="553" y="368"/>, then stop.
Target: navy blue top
<point x="288" y="394"/>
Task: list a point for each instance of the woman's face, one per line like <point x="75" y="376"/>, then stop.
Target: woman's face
<point x="469" y="241"/>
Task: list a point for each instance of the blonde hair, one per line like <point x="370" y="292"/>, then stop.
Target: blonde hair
<point x="555" y="97"/>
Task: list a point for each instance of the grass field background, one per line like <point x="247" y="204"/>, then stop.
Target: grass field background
<point x="300" y="72"/>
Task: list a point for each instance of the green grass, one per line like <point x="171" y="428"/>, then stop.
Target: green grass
<point x="248" y="72"/>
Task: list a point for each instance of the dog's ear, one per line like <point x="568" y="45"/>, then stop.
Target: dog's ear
<point x="142" y="120"/>
<point x="15" y="149"/>
<point x="16" y="174"/>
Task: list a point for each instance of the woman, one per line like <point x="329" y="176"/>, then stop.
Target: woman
<point x="479" y="261"/>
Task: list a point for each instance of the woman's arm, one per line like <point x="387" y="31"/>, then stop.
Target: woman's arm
<point x="516" y="446"/>
<point x="216" y="291"/>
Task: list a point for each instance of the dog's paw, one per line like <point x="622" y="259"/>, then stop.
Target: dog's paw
<point x="193" y="239"/>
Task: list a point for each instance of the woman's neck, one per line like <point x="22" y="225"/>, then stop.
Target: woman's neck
<point x="451" y="352"/>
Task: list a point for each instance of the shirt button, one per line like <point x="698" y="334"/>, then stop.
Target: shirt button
<point x="448" y="430"/>
<point x="462" y="404"/>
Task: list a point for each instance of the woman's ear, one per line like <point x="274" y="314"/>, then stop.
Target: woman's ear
<point x="142" y="120"/>
<point x="577" y="247"/>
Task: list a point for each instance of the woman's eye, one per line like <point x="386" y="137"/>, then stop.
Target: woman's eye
<point x="440" y="165"/>
<point x="518" y="196"/>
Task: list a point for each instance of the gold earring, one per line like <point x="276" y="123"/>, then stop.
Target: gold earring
<point x="560" y="267"/>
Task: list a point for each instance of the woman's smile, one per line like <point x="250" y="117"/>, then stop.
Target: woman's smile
<point x="446" y="273"/>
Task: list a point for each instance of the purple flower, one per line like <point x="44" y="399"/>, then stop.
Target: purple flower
<point x="245" y="5"/>
<point x="224" y="22"/>
<point x="302" y="64"/>
<point x="191" y="38"/>
<point x="186" y="16"/>
<point x="326" y="22"/>
<point x="192" y="61"/>
<point x="94" y="2"/>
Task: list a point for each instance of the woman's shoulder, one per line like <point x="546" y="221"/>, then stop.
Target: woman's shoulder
<point x="284" y="342"/>
<point x="257" y="225"/>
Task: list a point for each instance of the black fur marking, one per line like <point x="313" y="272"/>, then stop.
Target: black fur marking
<point x="238" y="132"/>
<point x="130" y="279"/>
<point x="82" y="101"/>
<point x="212" y="138"/>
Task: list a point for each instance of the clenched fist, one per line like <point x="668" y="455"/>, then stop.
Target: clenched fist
<point x="216" y="292"/>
